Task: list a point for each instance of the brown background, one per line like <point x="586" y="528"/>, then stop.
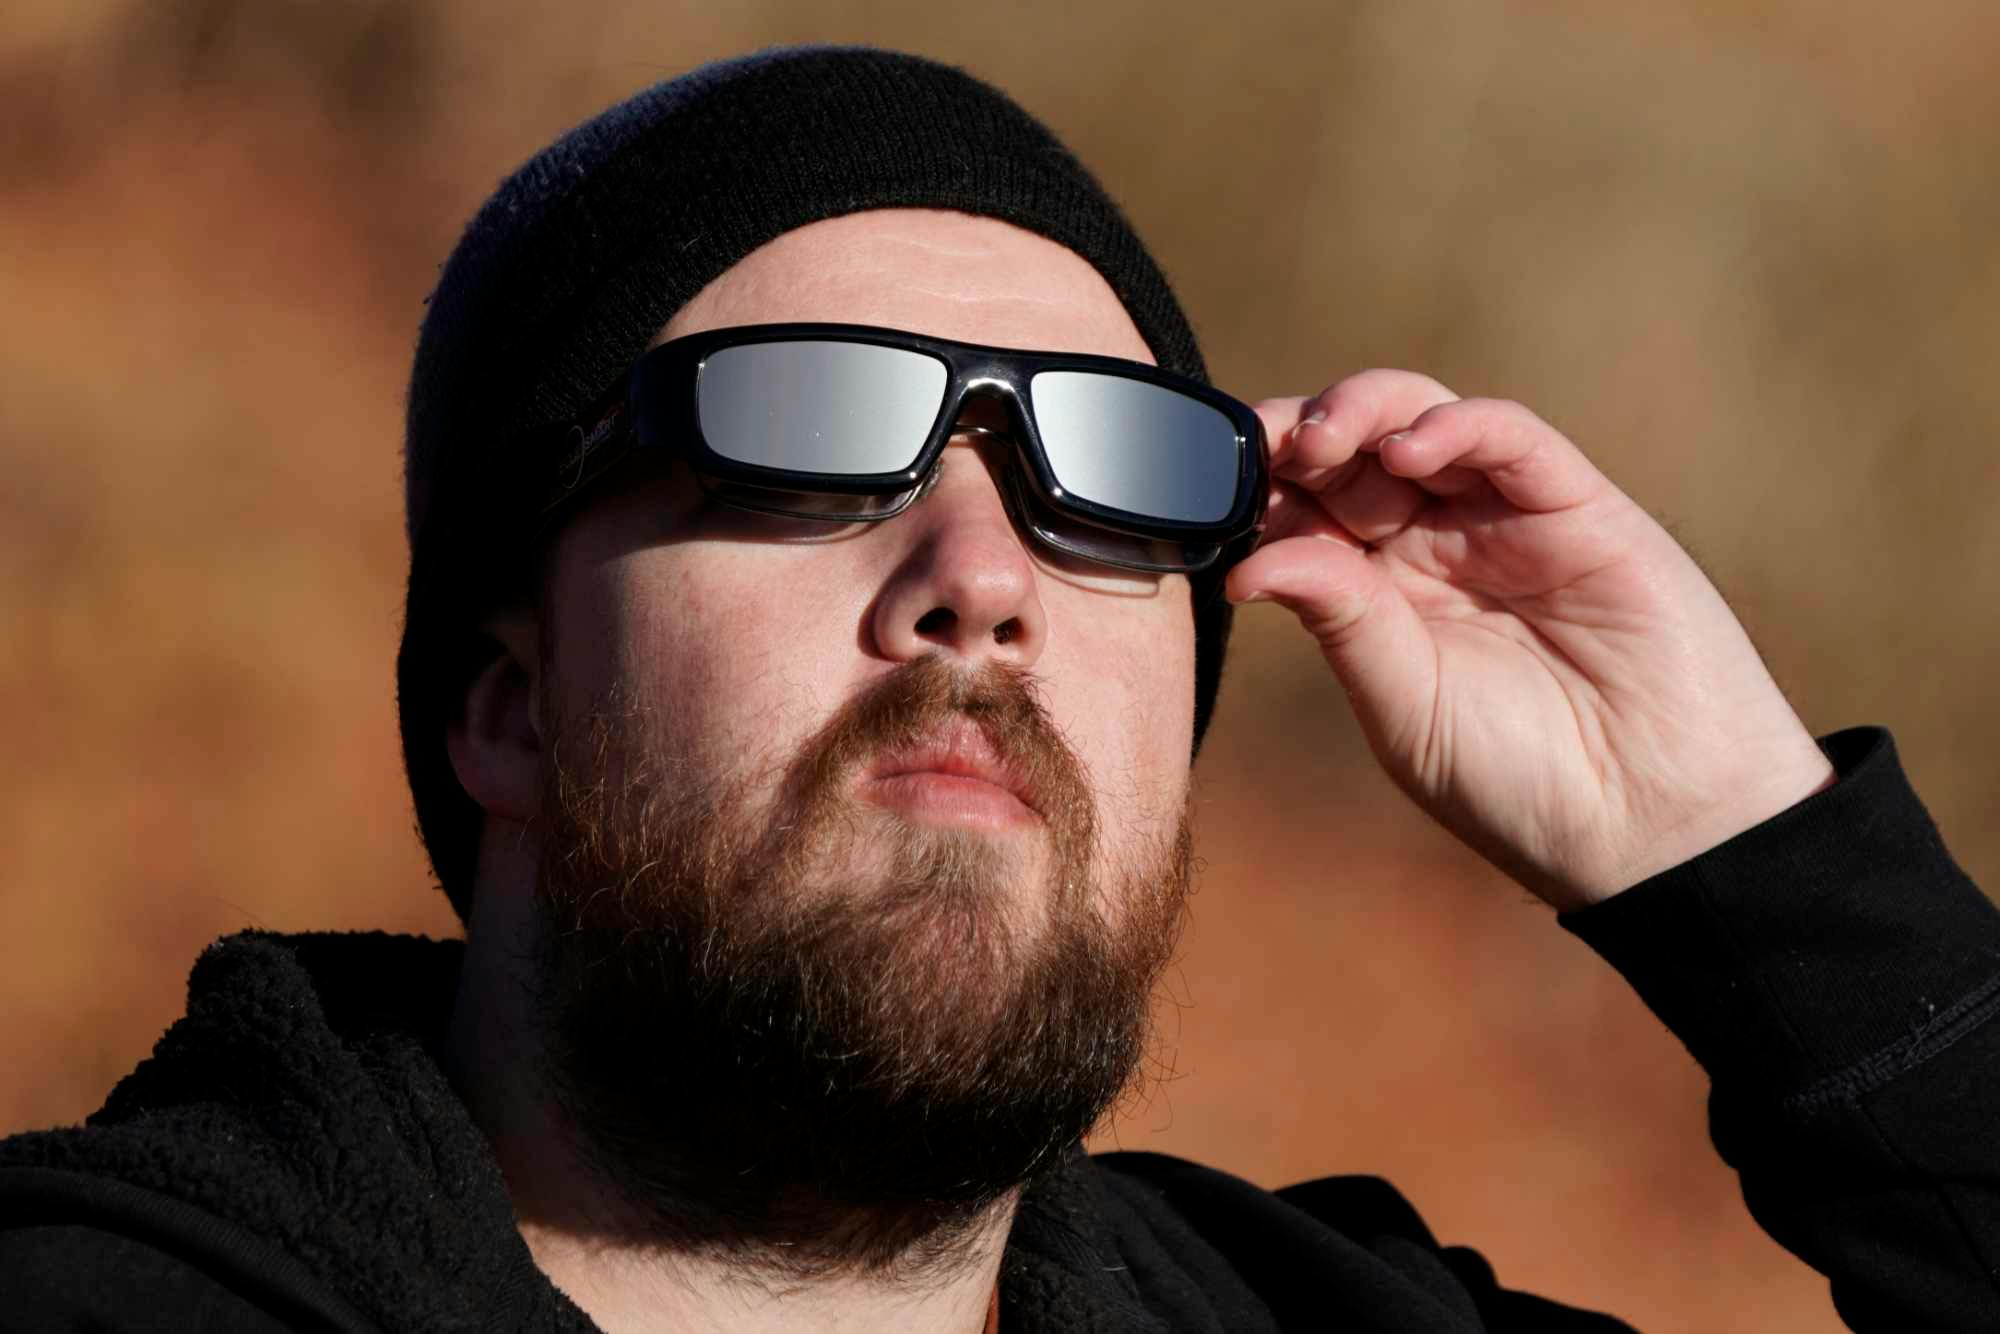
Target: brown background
<point x="1744" y="253"/>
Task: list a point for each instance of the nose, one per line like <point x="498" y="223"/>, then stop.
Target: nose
<point x="963" y="584"/>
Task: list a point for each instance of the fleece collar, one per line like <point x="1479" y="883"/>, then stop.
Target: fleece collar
<point x="301" y="1100"/>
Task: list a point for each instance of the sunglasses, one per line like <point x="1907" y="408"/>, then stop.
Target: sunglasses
<point x="1115" y="461"/>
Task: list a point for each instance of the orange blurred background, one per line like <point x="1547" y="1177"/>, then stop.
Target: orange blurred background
<point x="1743" y="253"/>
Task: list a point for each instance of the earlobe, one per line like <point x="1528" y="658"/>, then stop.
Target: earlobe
<point x="495" y="741"/>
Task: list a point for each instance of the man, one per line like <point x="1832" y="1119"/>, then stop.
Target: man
<point x="799" y="714"/>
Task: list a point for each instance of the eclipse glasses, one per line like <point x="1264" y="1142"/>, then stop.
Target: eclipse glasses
<point x="1115" y="461"/>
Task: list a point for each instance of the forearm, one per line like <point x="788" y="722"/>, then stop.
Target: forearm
<point x="1836" y="974"/>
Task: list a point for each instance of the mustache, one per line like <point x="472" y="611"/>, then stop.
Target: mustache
<point x="919" y="700"/>
<point x="815" y="805"/>
<point x="618" y="797"/>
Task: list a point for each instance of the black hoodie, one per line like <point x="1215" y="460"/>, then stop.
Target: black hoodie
<point x="292" y="1156"/>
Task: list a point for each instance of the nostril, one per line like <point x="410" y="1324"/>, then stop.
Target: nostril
<point x="1007" y="631"/>
<point x="936" y="621"/>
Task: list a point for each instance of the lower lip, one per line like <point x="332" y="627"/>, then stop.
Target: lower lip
<point x="950" y="799"/>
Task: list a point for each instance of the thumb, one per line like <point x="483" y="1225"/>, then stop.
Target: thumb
<point x="1372" y="638"/>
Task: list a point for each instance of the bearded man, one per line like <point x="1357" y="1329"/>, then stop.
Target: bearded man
<point x="823" y="535"/>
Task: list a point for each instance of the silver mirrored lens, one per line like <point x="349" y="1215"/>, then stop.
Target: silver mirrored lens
<point x="1052" y="528"/>
<point x="825" y="407"/>
<point x="1136" y="446"/>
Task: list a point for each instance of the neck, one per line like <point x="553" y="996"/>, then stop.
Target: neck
<point x="588" y="1238"/>
<point x="625" y="1290"/>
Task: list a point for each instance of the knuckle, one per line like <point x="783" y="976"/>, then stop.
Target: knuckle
<point x="1379" y="398"/>
<point x="1511" y="412"/>
<point x="1358" y="398"/>
<point x="1451" y="414"/>
<point x="1346" y="395"/>
<point x="1336" y="620"/>
<point x="1487" y="414"/>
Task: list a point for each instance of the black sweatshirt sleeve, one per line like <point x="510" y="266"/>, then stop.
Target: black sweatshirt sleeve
<point x="1837" y="975"/>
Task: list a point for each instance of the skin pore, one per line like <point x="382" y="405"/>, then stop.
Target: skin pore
<point x="739" y="638"/>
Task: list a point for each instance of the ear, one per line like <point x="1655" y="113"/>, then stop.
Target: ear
<point x="495" y="739"/>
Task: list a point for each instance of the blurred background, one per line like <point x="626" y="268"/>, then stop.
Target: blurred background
<point x="1744" y="253"/>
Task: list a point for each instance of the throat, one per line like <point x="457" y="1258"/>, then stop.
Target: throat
<point x="635" y="1287"/>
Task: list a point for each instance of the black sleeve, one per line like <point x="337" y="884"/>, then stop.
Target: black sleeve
<point x="1837" y="974"/>
<point x="72" y="1279"/>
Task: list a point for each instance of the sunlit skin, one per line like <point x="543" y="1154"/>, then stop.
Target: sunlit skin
<point x="757" y="628"/>
<point x="1532" y="658"/>
<point x="747" y="632"/>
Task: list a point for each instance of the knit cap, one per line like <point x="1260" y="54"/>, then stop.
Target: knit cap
<point x="569" y="270"/>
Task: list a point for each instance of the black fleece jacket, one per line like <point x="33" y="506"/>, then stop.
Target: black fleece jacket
<point x="292" y="1158"/>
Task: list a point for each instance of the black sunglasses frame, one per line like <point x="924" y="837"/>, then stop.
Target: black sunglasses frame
<point x="653" y="407"/>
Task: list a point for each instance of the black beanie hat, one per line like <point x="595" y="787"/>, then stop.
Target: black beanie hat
<point x="568" y="272"/>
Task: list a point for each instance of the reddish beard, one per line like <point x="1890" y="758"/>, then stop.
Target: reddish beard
<point x="825" y="1038"/>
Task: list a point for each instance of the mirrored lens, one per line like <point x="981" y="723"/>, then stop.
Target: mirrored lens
<point x="1073" y="537"/>
<point x="822" y="407"/>
<point x="1135" y="446"/>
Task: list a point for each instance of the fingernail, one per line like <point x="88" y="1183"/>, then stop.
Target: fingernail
<point x="1313" y="418"/>
<point x="1392" y="439"/>
<point x="1259" y="596"/>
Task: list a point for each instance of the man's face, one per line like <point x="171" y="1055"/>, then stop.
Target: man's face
<point x="752" y="631"/>
<point x="922" y="750"/>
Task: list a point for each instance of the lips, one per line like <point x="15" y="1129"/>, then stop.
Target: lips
<point x="958" y="764"/>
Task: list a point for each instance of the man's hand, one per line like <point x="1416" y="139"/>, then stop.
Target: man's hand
<point x="1534" y="660"/>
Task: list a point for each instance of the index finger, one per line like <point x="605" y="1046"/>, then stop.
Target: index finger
<point x="1352" y="413"/>
<point x="1279" y="416"/>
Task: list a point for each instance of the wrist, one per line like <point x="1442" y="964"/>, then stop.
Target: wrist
<point x="1804" y="772"/>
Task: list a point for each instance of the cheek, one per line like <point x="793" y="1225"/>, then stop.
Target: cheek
<point x="719" y="663"/>
<point x="736" y="661"/>
<point x="1120" y="677"/>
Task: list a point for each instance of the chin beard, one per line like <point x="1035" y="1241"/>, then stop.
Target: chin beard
<point x="810" y="1037"/>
